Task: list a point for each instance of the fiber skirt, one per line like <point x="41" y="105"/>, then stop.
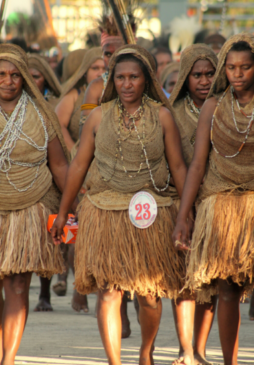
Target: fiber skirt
<point x="201" y="296"/>
<point x="111" y="253"/>
<point x="223" y="242"/>
<point x="26" y="245"/>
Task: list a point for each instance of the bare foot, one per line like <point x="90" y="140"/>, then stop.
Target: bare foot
<point x="60" y="288"/>
<point x="43" y="306"/>
<point x="201" y="360"/>
<point x="79" y="302"/>
<point x="185" y="358"/>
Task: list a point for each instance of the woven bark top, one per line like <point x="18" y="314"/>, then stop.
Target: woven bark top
<point x="10" y="198"/>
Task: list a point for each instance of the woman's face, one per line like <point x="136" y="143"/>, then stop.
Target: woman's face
<point x="108" y="50"/>
<point x="95" y="71"/>
<point x="163" y="59"/>
<point x="38" y="78"/>
<point x="11" y="81"/>
<point x="240" y="70"/>
<point x="200" y="80"/>
<point x="129" y="81"/>
<point x="171" y="81"/>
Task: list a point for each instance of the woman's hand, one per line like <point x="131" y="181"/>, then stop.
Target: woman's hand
<point x="57" y="228"/>
<point x="183" y="232"/>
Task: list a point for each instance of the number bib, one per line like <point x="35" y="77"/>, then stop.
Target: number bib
<point x="142" y="210"/>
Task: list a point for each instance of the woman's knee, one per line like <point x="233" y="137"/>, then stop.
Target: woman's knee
<point x="109" y="295"/>
<point x="229" y="291"/>
<point x="18" y="284"/>
<point x="149" y="301"/>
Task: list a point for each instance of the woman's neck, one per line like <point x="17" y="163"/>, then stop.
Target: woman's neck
<point x="9" y="105"/>
<point x="132" y="106"/>
<point x="197" y="102"/>
<point x="244" y="97"/>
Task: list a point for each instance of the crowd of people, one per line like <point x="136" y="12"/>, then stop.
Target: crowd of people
<point x="88" y="133"/>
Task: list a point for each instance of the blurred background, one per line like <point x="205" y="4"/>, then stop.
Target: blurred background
<point x="72" y="24"/>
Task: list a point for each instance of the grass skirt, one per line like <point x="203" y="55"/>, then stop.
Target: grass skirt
<point x="223" y="241"/>
<point x="111" y="253"/>
<point x="26" y="245"/>
<point x="201" y="296"/>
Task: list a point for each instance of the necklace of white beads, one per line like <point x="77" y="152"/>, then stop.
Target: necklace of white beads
<point x="13" y="132"/>
<point x="131" y="125"/>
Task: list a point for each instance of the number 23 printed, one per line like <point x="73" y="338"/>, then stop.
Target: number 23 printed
<point x="140" y="215"/>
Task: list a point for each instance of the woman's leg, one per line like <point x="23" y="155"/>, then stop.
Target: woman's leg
<point x="16" y="288"/>
<point x="204" y="315"/>
<point x="184" y="311"/>
<point x="60" y="288"/>
<point x="44" y="304"/>
<point x="79" y="301"/>
<point x="150" y="309"/>
<point x="110" y="324"/>
<point x="251" y="310"/>
<point x="126" y="330"/>
<point x="229" y="319"/>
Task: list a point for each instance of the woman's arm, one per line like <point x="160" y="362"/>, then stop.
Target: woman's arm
<point x="58" y="164"/>
<point x="92" y="95"/>
<point x="77" y="171"/>
<point x="64" y="112"/>
<point x="173" y="149"/>
<point x="196" y="170"/>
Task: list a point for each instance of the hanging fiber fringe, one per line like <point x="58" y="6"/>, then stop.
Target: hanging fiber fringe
<point x="111" y="253"/>
<point x="26" y="245"/>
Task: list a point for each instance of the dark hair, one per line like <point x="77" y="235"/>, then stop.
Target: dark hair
<point x="19" y="42"/>
<point x="59" y="69"/>
<point x="131" y="58"/>
<point x="159" y="50"/>
<point x="242" y="46"/>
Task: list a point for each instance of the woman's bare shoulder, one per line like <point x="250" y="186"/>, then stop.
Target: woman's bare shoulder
<point x="210" y="103"/>
<point x="165" y="113"/>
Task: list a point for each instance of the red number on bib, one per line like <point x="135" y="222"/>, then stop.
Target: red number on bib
<point x="139" y="208"/>
<point x="147" y="213"/>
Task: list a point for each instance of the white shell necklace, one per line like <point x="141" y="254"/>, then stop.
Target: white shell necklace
<point x="13" y="132"/>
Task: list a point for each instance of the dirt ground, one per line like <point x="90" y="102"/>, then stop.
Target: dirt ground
<point x="66" y="337"/>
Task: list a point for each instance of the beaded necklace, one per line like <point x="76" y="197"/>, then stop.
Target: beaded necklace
<point x="247" y="130"/>
<point x="193" y="108"/>
<point x="132" y="120"/>
<point x="132" y="117"/>
<point x="238" y="105"/>
<point x="13" y="132"/>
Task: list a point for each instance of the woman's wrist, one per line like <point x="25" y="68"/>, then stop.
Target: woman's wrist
<point x="63" y="212"/>
<point x="182" y="216"/>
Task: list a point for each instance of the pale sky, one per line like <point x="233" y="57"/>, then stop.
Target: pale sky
<point x="18" y="5"/>
<point x="25" y="6"/>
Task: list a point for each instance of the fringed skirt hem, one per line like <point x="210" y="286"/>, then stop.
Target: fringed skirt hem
<point x="26" y="245"/>
<point x="223" y="242"/>
<point x="111" y="253"/>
